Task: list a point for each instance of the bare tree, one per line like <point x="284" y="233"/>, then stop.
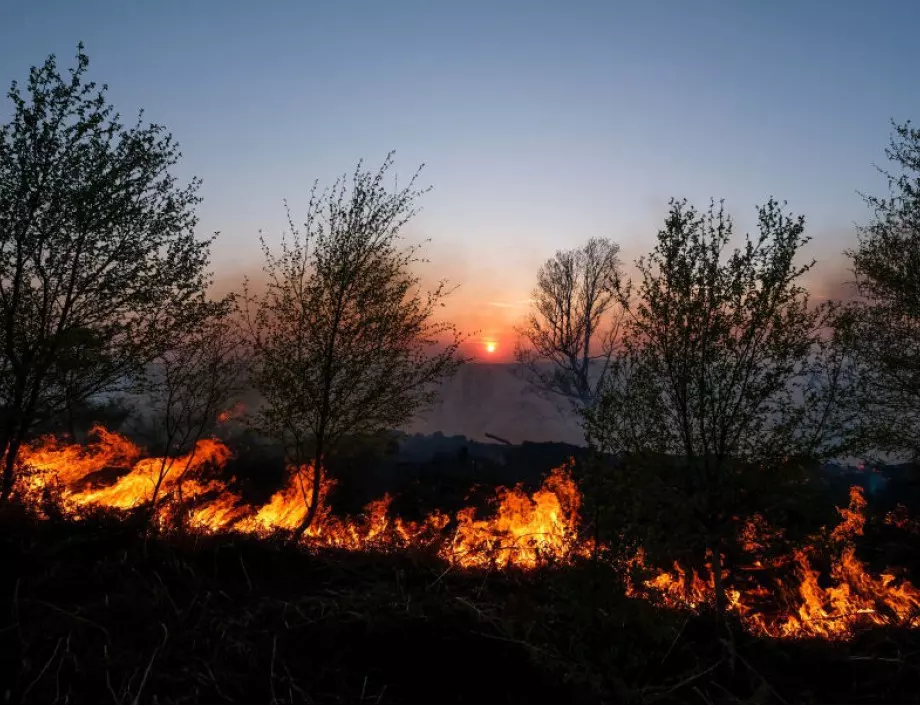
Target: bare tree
<point x="570" y="334"/>
<point x="186" y="388"/>
<point x="883" y="325"/>
<point x="718" y="357"/>
<point x="344" y="337"/>
<point x="99" y="263"/>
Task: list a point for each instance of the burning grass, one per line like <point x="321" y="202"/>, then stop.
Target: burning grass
<point x="97" y="612"/>
<point x="780" y="596"/>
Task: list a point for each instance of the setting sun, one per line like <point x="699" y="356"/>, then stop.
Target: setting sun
<point x="490" y="347"/>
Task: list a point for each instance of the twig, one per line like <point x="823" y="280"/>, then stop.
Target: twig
<point x="168" y="596"/>
<point x="216" y="684"/>
<point x="697" y="691"/>
<point x="681" y="684"/>
<point x="481" y="614"/>
<point x="245" y="573"/>
<point x="293" y="685"/>
<point x="886" y="659"/>
<point x="271" y="668"/>
<point x="724" y="690"/>
<point x="108" y="683"/>
<point x="150" y="664"/>
<point x="438" y="579"/>
<point x="42" y="672"/>
<point x="761" y="677"/>
<point x="511" y="640"/>
<point x="73" y="616"/>
<point x="57" y="674"/>
<point x="678" y="636"/>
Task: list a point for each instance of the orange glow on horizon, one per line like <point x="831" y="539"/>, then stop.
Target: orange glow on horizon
<point x="491" y="347"/>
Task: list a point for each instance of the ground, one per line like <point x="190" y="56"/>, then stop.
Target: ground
<point x="99" y="611"/>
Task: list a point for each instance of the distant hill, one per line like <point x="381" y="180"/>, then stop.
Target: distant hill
<point x="492" y="398"/>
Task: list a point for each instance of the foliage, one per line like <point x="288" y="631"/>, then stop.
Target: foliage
<point x="718" y="360"/>
<point x="99" y="263"/>
<point x="570" y="334"/>
<point x="344" y="336"/>
<point x="883" y="326"/>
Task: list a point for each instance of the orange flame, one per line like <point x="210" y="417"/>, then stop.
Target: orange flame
<point x="803" y="607"/>
<point x="236" y="411"/>
<point x="900" y="519"/>
<point x="53" y="462"/>
<point x="524" y="531"/>
<point x="792" y="599"/>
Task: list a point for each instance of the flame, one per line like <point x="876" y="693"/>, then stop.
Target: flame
<point x="137" y="487"/>
<point x="52" y="462"/>
<point x="900" y="519"/>
<point x="853" y="517"/>
<point x="232" y="413"/>
<point x="777" y="595"/>
<point x="71" y="468"/>
<point x="799" y="605"/>
<point x="525" y="529"/>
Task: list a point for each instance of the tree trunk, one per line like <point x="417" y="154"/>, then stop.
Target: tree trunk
<point x="4" y="442"/>
<point x="14" y="427"/>
<point x="721" y="598"/>
<point x="313" y="506"/>
<point x="156" y="493"/>
<point x="9" y="466"/>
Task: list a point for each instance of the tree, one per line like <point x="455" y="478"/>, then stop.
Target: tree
<point x="883" y="325"/>
<point x="186" y="388"/>
<point x="718" y="357"/>
<point x="571" y="332"/>
<point x="344" y="337"/>
<point x="99" y="263"/>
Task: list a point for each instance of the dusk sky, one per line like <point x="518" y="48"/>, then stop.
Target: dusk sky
<point x="541" y="123"/>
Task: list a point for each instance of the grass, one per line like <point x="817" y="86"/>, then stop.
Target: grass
<point x="98" y="611"/>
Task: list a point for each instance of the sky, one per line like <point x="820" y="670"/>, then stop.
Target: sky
<point x="541" y="124"/>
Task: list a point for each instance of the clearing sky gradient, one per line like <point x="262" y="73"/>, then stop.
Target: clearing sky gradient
<point x="542" y="124"/>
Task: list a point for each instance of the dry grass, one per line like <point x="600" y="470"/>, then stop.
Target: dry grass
<point x="96" y="612"/>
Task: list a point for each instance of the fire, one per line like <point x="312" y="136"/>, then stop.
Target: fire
<point x="55" y="463"/>
<point x="525" y="530"/>
<point x="72" y="469"/>
<point x="900" y="519"/>
<point x="236" y="411"/>
<point x="853" y="518"/>
<point x="775" y="595"/>
<point x="799" y="605"/>
<point x="137" y="487"/>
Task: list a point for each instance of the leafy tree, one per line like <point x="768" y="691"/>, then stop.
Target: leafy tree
<point x="344" y="337"/>
<point x="99" y="263"/>
<point x="571" y="332"/>
<point x="883" y="325"/>
<point x="720" y="358"/>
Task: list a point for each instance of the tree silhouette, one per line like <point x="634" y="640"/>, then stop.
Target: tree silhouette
<point x="99" y="262"/>
<point x="714" y="349"/>
<point x="571" y="332"/>
<point x="344" y="337"/>
<point x="883" y="327"/>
